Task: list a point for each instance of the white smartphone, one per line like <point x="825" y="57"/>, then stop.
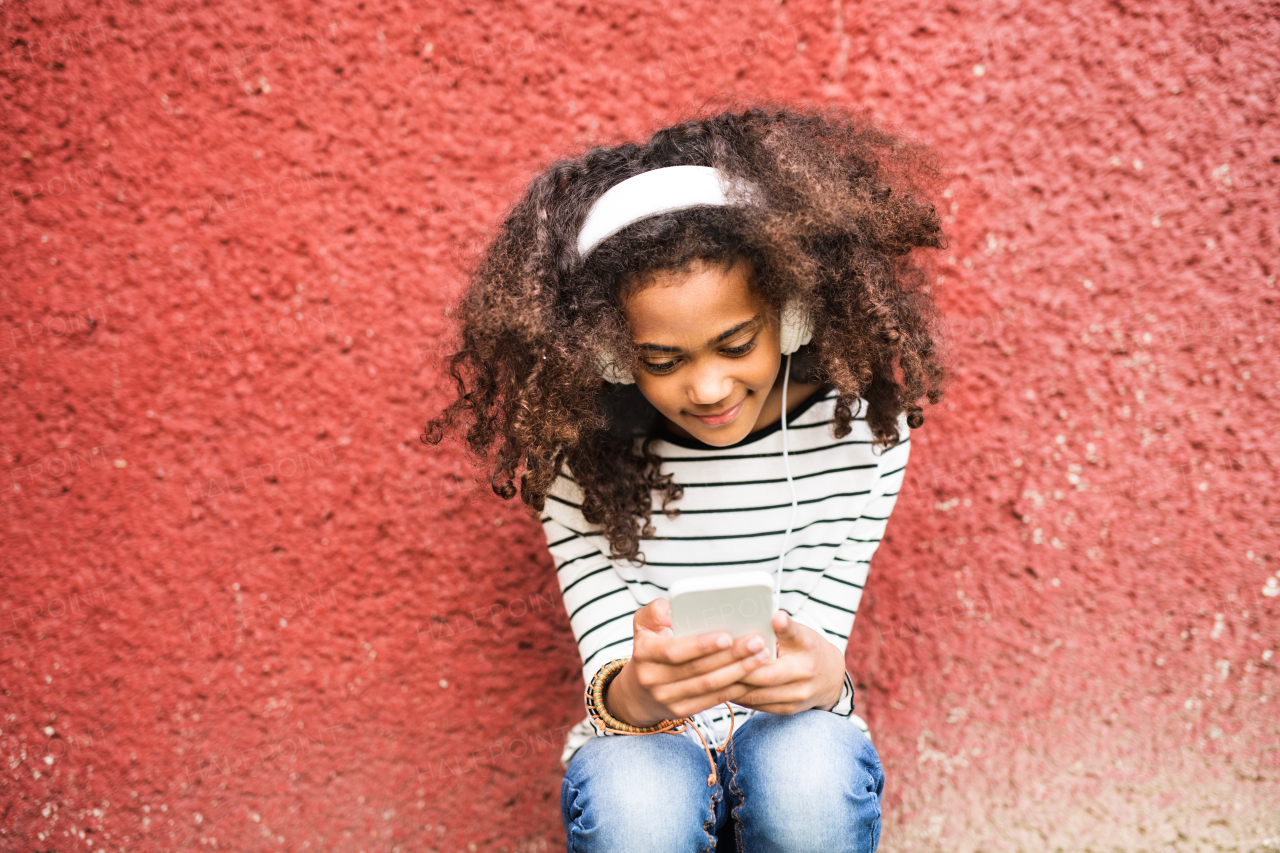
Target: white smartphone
<point x="740" y="603"/>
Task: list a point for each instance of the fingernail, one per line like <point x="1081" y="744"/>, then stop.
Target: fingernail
<point x="724" y="641"/>
<point x="764" y="655"/>
<point x="755" y="644"/>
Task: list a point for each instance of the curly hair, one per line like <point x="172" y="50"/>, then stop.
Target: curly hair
<point x="845" y="203"/>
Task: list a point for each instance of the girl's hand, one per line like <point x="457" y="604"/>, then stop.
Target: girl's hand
<point x="670" y="677"/>
<point x="808" y="673"/>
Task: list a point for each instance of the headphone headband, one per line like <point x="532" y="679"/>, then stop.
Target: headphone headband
<point x="658" y="191"/>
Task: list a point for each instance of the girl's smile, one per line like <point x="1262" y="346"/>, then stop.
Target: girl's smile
<point x="722" y="418"/>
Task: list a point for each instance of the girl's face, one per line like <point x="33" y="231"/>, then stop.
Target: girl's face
<point x="708" y="350"/>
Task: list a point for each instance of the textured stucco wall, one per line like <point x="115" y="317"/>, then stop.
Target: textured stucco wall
<point x="244" y="608"/>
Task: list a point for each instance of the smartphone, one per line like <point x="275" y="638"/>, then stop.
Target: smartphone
<point x="739" y="603"/>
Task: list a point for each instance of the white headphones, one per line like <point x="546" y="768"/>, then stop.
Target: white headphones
<point x="662" y="191"/>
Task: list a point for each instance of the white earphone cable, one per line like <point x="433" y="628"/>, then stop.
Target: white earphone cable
<point x="777" y="584"/>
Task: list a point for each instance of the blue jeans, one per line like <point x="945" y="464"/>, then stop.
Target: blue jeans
<point x="790" y="784"/>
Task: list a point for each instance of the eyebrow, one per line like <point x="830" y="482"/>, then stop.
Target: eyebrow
<point x="727" y="333"/>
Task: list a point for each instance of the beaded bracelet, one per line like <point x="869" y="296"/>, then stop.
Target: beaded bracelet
<point x="610" y="723"/>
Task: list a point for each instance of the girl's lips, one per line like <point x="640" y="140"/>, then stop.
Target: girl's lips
<point x="721" y="419"/>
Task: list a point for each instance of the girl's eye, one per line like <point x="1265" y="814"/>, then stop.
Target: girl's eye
<point x="668" y="366"/>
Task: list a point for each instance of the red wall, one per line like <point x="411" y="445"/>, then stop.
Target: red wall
<point x="244" y="608"/>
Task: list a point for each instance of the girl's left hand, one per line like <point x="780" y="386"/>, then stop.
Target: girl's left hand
<point x="808" y="672"/>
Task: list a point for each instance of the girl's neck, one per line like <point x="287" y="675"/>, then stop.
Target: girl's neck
<point x="771" y="412"/>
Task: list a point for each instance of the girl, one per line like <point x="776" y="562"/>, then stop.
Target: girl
<point x="621" y="352"/>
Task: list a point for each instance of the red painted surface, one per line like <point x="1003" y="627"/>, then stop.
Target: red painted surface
<point x="236" y="585"/>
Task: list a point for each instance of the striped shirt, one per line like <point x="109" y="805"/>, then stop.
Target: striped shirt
<point x="733" y="514"/>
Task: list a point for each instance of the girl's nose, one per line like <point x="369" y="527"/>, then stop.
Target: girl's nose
<point x="709" y="384"/>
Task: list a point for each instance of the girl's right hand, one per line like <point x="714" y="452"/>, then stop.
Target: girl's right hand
<point x="669" y="677"/>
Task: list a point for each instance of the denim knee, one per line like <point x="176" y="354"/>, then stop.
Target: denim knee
<point x="641" y="794"/>
<point x="805" y="782"/>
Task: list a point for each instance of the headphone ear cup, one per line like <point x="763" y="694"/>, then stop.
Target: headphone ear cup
<point x="612" y="368"/>
<point x="796" y="327"/>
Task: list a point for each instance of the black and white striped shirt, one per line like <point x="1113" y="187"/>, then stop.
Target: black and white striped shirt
<point x="733" y="514"/>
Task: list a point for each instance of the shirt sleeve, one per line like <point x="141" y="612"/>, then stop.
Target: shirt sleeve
<point x="598" y="600"/>
<point x="833" y="602"/>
